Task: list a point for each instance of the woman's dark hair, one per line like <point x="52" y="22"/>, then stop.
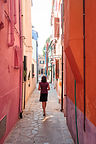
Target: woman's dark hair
<point x="44" y="79"/>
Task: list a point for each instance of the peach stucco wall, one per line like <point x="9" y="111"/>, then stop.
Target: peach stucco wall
<point x="27" y="44"/>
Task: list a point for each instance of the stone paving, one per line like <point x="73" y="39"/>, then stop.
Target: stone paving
<point x="36" y="129"/>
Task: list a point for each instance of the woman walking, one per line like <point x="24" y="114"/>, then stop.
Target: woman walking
<point x="43" y="87"/>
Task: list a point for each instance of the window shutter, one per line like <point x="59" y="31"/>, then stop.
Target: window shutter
<point x="16" y="57"/>
<point x="56" y="27"/>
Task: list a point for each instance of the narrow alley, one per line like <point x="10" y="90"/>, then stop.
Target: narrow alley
<point x="55" y="39"/>
<point x="33" y="128"/>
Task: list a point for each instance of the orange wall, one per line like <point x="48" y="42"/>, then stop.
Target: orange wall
<point x="73" y="45"/>
<point x="74" y="48"/>
<point x="90" y="43"/>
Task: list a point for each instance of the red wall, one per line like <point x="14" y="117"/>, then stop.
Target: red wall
<point x="9" y="73"/>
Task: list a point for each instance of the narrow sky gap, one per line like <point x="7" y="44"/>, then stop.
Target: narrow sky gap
<point x="41" y="15"/>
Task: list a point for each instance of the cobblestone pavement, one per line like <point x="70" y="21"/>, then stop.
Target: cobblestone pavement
<point x="36" y="129"/>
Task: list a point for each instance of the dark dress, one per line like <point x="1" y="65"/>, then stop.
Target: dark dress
<point x="44" y="91"/>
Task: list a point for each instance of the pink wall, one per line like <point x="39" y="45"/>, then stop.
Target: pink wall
<point x="9" y="64"/>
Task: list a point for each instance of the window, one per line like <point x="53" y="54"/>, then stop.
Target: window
<point x="25" y="67"/>
<point x="32" y="70"/>
<point x="16" y="57"/>
<point x="29" y="76"/>
<point x="56" y="27"/>
<point x="57" y="69"/>
<point x="42" y="62"/>
<point x="41" y="71"/>
<point x="53" y="71"/>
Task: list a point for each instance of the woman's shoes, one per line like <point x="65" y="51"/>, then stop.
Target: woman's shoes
<point x="44" y="115"/>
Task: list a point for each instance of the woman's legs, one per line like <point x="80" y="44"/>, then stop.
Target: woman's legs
<point x="44" y="106"/>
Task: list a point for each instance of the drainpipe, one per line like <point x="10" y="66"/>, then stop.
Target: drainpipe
<point x="76" y="112"/>
<point x="51" y="72"/>
<point x="11" y="43"/>
<point x="84" y="62"/>
<point x="62" y="83"/>
<point x="65" y="95"/>
<point x="15" y="17"/>
<point x="47" y="59"/>
<point x="45" y="64"/>
<point x="21" y="61"/>
<point x="37" y="58"/>
<point x="62" y="54"/>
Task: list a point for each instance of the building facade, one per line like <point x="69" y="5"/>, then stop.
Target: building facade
<point x="28" y="63"/>
<point x="35" y="51"/>
<point x="79" y="66"/>
<point x="80" y="48"/>
<point x="11" y="65"/>
<point x="41" y="65"/>
<point x="16" y="62"/>
<point x="56" y="45"/>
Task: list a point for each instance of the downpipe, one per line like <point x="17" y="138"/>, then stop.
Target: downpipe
<point x="62" y="83"/>
<point x="15" y="17"/>
<point x="65" y="95"/>
<point x="76" y="112"/>
<point x="62" y="57"/>
<point x="11" y="43"/>
<point x="84" y="63"/>
<point x="21" y="62"/>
